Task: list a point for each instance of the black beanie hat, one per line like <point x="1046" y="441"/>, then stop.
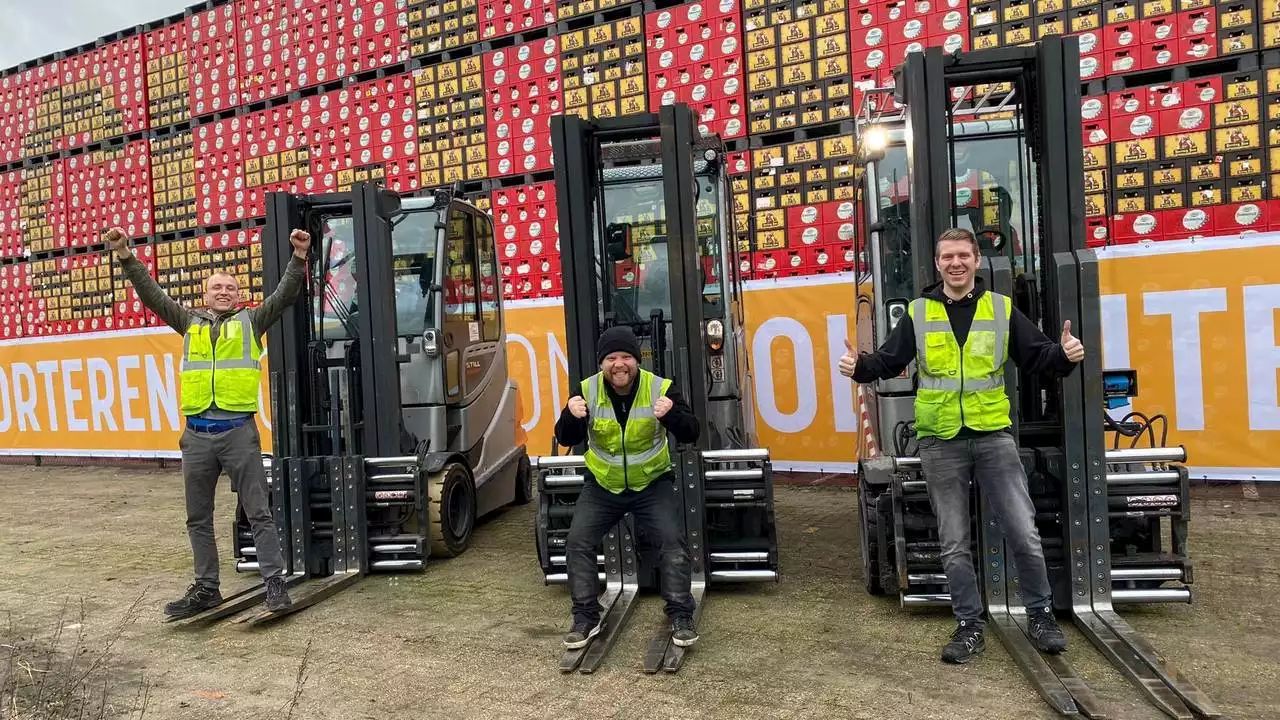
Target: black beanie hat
<point x="618" y="338"/>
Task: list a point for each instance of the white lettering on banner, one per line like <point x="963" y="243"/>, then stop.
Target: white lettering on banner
<point x="841" y="386"/>
<point x="1262" y="357"/>
<point x="535" y="389"/>
<point x="162" y="394"/>
<point x="556" y="354"/>
<point x="1115" y="339"/>
<point x="100" y="404"/>
<point x="806" y="388"/>
<point x="70" y="395"/>
<point x="1184" y="308"/>
<point x="24" y="402"/>
<point x="128" y="393"/>
<point x="47" y="368"/>
<point x="80" y="394"/>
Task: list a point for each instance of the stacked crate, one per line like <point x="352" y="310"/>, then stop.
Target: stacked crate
<point x="1271" y="102"/>
<point x="452" y="143"/>
<point x="167" y="85"/>
<point x="213" y="70"/>
<point x="524" y="90"/>
<point x="41" y="206"/>
<point x="371" y="35"/>
<point x="604" y="69"/>
<point x="10" y="218"/>
<point x="41" y="108"/>
<point x="512" y="17"/>
<point x="797" y="64"/>
<point x="71" y="294"/>
<point x="221" y="194"/>
<point x="102" y="94"/>
<point x="268" y="45"/>
<point x="173" y="183"/>
<point x="15" y="299"/>
<point x="436" y="26"/>
<point x="127" y="310"/>
<point x="107" y="188"/>
<point x="695" y="57"/>
<point x="12" y="111"/>
<point x="528" y="240"/>
<point x="797" y="190"/>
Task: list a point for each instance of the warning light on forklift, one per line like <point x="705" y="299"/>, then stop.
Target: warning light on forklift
<point x="874" y="142"/>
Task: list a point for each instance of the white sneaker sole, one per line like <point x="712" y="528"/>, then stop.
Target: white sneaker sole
<point x="585" y="641"/>
<point x="684" y="643"/>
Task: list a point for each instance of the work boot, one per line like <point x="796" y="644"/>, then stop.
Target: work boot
<point x="1045" y="633"/>
<point x="198" y="599"/>
<point x="682" y="631"/>
<point x="582" y="632"/>
<point x="277" y="595"/>
<point x="966" y="642"/>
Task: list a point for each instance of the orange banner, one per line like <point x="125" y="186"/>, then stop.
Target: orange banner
<point x="112" y="394"/>
<point x="1197" y="321"/>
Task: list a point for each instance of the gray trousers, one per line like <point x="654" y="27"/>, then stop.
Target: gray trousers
<point x="205" y="456"/>
<point x="992" y="460"/>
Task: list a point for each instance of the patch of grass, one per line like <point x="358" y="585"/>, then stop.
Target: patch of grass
<point x="59" y="675"/>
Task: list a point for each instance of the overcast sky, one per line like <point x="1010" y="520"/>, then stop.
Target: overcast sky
<point x="33" y="28"/>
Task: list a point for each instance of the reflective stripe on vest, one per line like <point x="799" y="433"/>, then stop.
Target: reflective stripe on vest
<point x="626" y="458"/>
<point x="961" y="387"/>
<point x="225" y="373"/>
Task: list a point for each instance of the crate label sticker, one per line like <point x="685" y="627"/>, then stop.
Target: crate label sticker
<point x="1167" y="176"/>
<point x="761" y="60"/>
<point x="1131" y="179"/>
<point x="1095" y="181"/>
<point x="1234" y="112"/>
<point x="1235" y="16"/>
<point x="1168" y="200"/>
<point x="1244" y="137"/>
<point x="1186" y="144"/>
<point x="832" y="24"/>
<point x="1132" y="151"/>
<point x="796" y="53"/>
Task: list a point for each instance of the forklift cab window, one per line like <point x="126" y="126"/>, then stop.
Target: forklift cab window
<point x="893" y="190"/>
<point x="414" y="242"/>
<point x="639" y="282"/>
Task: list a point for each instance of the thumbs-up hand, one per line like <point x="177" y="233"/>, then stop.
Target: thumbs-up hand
<point x="1071" y="345"/>
<point x="848" y="361"/>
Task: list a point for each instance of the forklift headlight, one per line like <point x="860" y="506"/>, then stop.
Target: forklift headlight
<point x="715" y="334"/>
<point x="895" y="310"/>
<point x="709" y="155"/>
<point x="430" y="343"/>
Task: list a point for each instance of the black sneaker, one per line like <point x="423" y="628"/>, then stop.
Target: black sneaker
<point x="966" y="642"/>
<point x="198" y="599"/>
<point x="582" y="632"/>
<point x="277" y="595"/>
<point x="682" y="632"/>
<point x="1045" y="633"/>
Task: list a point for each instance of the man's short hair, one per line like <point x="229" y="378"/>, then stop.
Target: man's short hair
<point x="957" y="234"/>
<point x="220" y="273"/>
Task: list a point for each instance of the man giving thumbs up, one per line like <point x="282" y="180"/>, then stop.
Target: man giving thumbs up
<point x="960" y="335"/>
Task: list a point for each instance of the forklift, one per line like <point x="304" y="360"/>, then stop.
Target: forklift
<point x="1008" y="159"/>
<point x="646" y="242"/>
<point x="394" y="423"/>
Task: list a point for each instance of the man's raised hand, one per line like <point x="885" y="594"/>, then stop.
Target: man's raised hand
<point x="301" y="241"/>
<point x="1071" y="345"/>
<point x="662" y="406"/>
<point x="848" y="361"/>
<point x="577" y="407"/>
<point x="118" y="242"/>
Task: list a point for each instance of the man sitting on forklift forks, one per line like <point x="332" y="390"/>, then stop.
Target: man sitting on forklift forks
<point x="220" y="376"/>
<point x="624" y="414"/>
<point x="960" y="335"/>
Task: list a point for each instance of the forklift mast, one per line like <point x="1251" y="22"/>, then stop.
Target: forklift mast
<point x="995" y="135"/>
<point x="645" y="242"/>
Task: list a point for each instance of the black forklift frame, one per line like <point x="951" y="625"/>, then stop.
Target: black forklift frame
<point x="319" y="489"/>
<point x="576" y="144"/>
<point x="1045" y="73"/>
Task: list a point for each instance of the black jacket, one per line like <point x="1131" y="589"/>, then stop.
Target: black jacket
<point x="1029" y="348"/>
<point x="679" y="420"/>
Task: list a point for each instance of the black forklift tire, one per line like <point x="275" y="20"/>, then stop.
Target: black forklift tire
<point x="524" y="480"/>
<point x="868" y="522"/>
<point x="452" y="503"/>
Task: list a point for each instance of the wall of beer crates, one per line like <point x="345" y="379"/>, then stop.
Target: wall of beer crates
<point x="176" y="129"/>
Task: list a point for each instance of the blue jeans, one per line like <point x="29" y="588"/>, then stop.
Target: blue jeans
<point x="657" y="512"/>
<point x="992" y="460"/>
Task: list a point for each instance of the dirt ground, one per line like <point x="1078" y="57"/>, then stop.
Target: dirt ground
<point x="478" y="636"/>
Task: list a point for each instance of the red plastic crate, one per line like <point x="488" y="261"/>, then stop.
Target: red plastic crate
<point x="10" y="219"/>
<point x="267" y="46"/>
<point x="214" y="66"/>
<point x="107" y="188"/>
<point x="371" y="35"/>
<point x="526" y="224"/>
<point x="167" y="79"/>
<point x="221" y="195"/>
<point x="129" y="312"/>
<point x="695" y="56"/>
<point x="508" y="17"/>
<point x="14" y="299"/>
<point x="12" y="104"/>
